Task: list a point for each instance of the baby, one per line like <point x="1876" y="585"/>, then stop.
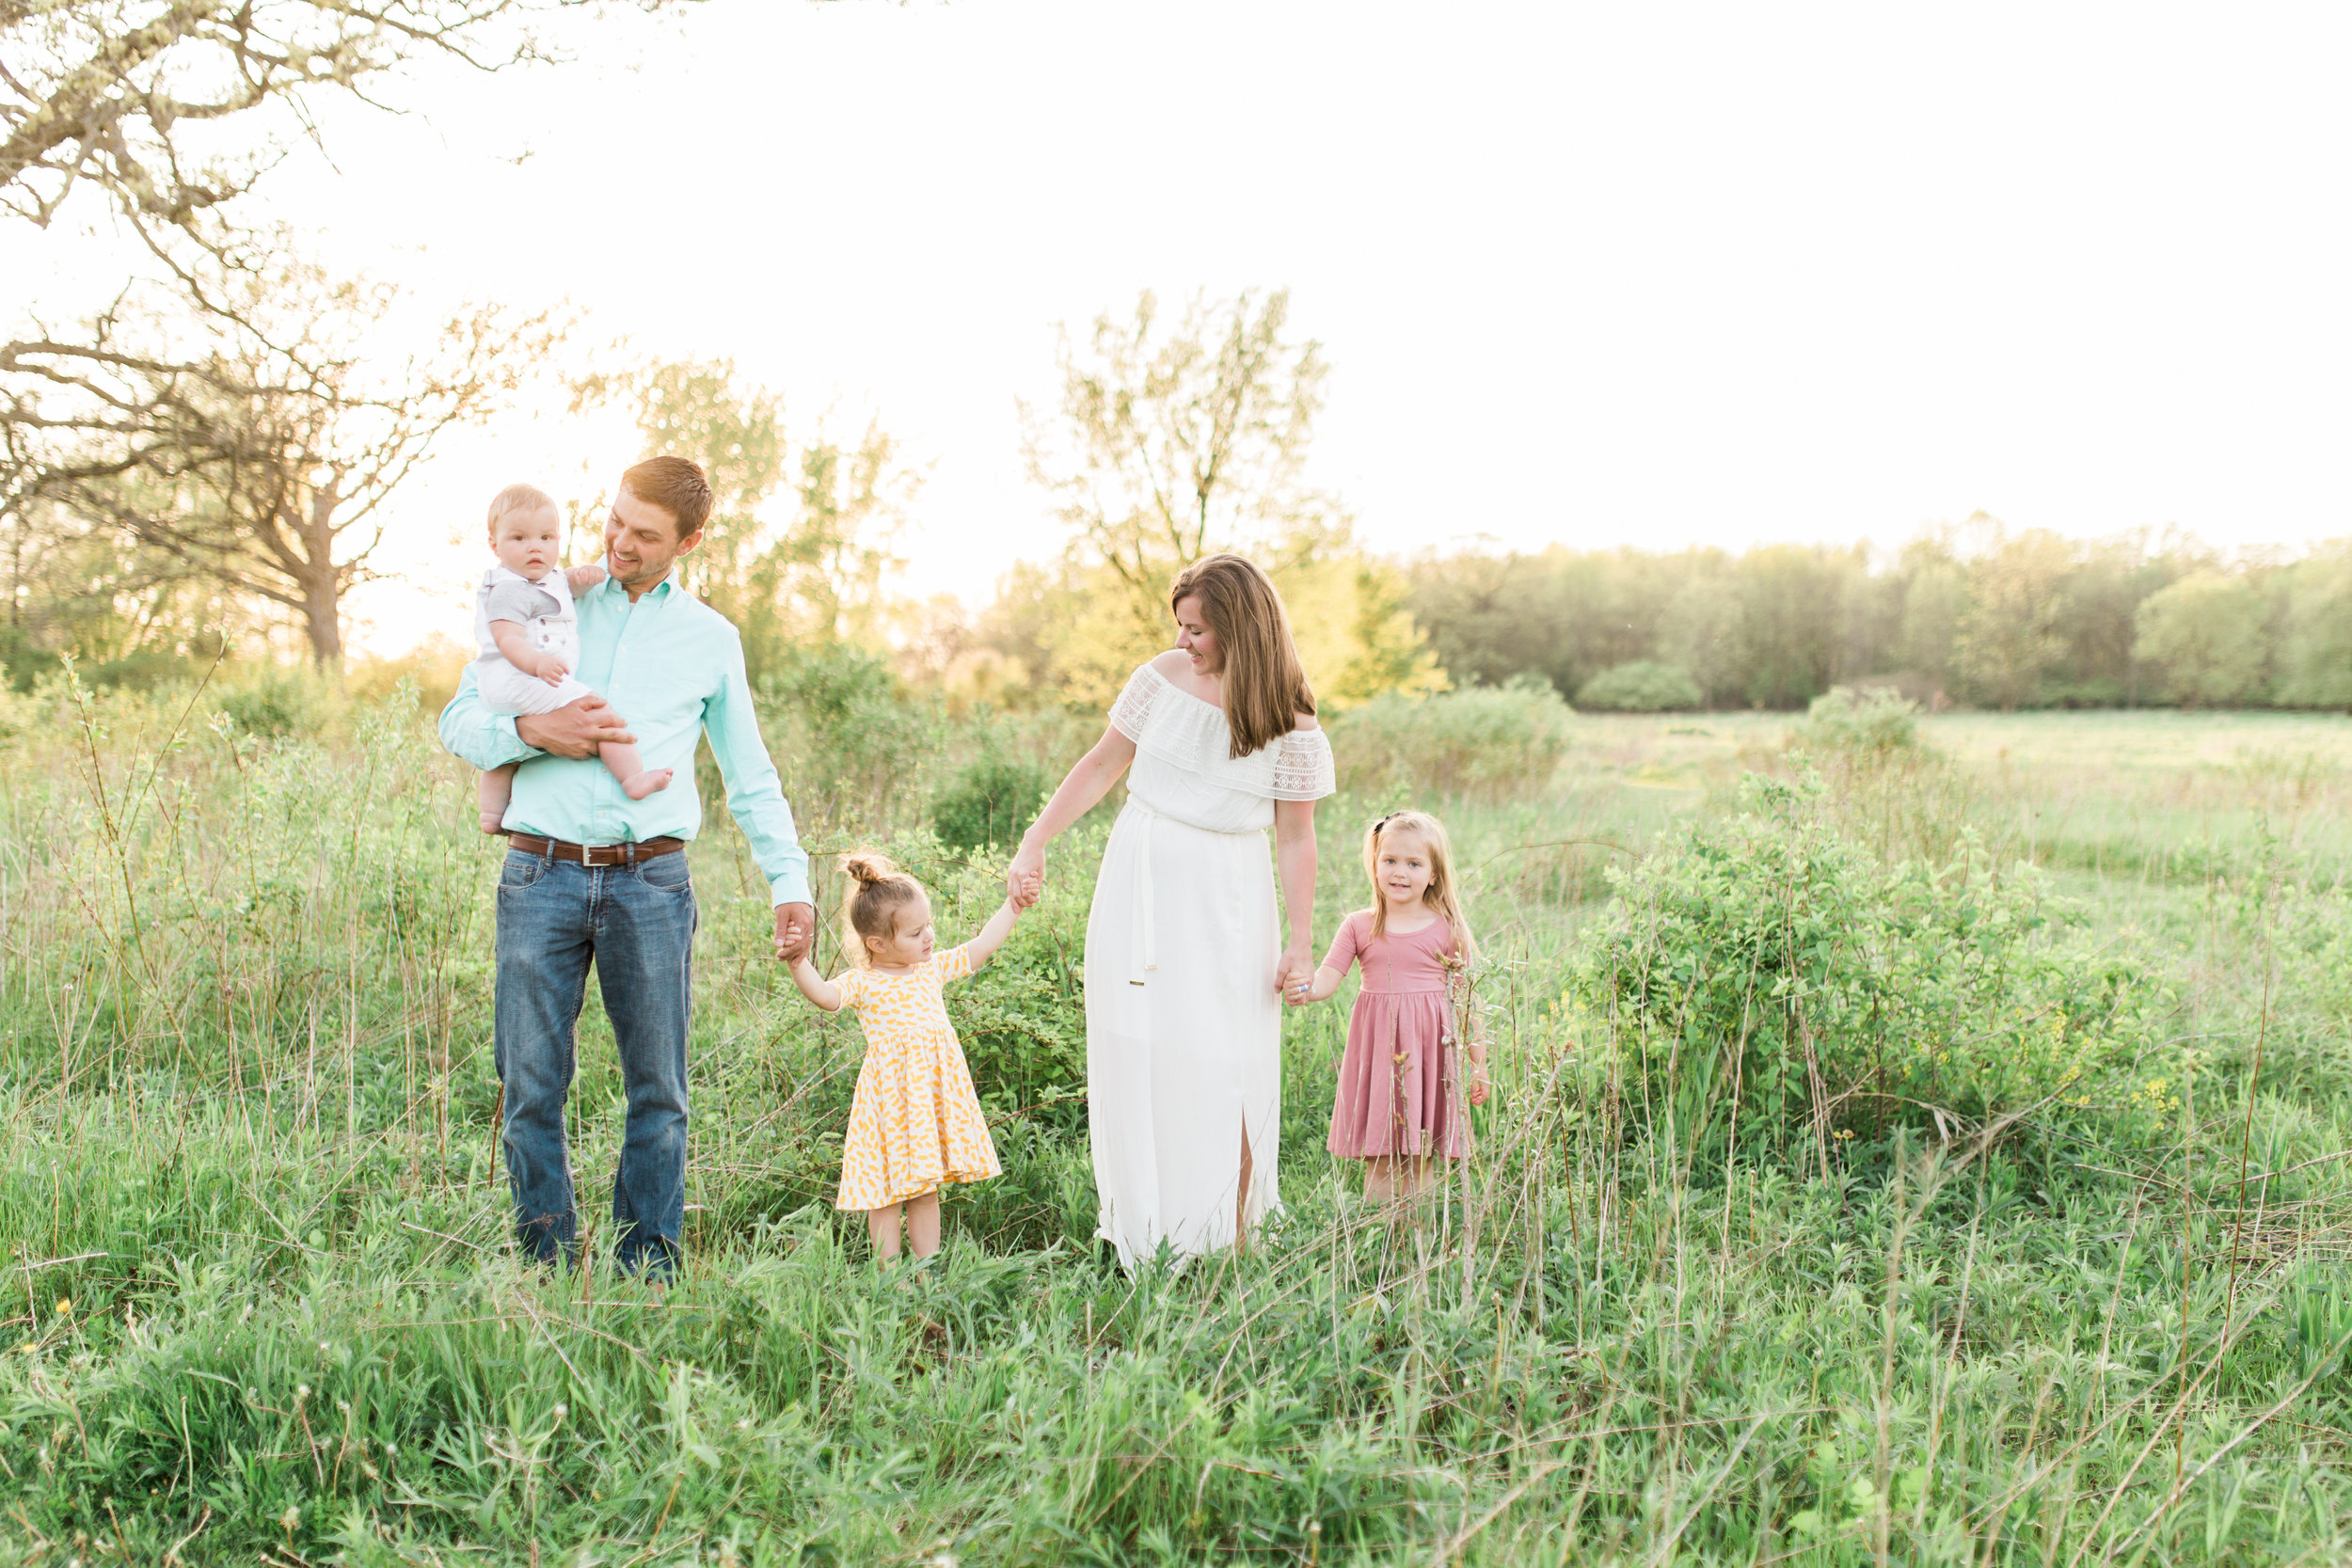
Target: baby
<point x="531" y="640"/>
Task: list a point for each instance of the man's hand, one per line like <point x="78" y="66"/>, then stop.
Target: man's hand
<point x="576" y="729"/>
<point x="796" y="928"/>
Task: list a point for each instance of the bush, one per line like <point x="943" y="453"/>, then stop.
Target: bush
<point x="990" y="802"/>
<point x="276" y="702"/>
<point x="1859" y="726"/>
<point x="852" y="742"/>
<point x="1486" y="742"/>
<point x="1764" y="962"/>
<point x="1640" y="686"/>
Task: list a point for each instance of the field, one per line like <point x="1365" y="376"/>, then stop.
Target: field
<point x="1925" y="1149"/>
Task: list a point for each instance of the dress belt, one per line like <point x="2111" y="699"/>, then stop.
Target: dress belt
<point x="1143" y="953"/>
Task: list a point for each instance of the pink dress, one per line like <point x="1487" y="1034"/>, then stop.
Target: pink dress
<point x="1400" y="1087"/>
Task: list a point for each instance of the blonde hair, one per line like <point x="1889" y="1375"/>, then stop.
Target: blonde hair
<point x="1265" y="684"/>
<point x="878" y="891"/>
<point x="1440" y="894"/>
<point x="520" y="498"/>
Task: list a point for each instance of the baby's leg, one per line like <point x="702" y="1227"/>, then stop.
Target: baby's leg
<point x="923" y="1222"/>
<point x="625" y="763"/>
<point x="496" y="788"/>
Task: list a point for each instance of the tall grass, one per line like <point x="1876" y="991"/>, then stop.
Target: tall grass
<point x="263" y="1306"/>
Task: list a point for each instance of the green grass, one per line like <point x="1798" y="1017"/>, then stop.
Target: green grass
<point x="261" y="1306"/>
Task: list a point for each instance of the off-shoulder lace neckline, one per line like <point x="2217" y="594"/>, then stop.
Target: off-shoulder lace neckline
<point x="1153" y="666"/>
<point x="1217" y="708"/>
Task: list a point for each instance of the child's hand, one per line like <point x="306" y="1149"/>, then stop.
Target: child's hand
<point x="552" y="670"/>
<point x="1479" y="1085"/>
<point x="1024" y="878"/>
<point x="1300" y="991"/>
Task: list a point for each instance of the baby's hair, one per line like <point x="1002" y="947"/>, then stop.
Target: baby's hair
<point x="520" y="498"/>
<point x="879" y="891"/>
<point x="1440" y="894"/>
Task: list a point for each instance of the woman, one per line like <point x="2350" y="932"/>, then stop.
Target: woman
<point x="1184" y="968"/>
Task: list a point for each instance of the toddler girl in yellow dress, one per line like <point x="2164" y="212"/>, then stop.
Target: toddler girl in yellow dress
<point x="915" y="1123"/>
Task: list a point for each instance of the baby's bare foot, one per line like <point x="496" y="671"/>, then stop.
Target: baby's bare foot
<point x="645" y="783"/>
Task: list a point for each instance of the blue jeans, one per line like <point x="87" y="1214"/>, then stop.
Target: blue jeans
<point x="636" y="923"/>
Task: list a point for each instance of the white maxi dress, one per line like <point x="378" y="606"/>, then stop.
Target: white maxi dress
<point x="1183" y="1026"/>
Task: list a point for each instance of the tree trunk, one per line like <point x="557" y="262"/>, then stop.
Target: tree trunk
<point x="322" y="607"/>
<point x="322" y="620"/>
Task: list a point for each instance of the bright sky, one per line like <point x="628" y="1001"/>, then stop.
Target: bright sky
<point x="1601" y="275"/>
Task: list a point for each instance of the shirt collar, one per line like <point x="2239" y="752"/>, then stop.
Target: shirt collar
<point x="612" y="587"/>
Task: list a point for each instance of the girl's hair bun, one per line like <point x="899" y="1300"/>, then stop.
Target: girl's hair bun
<point x="878" y="892"/>
<point x="868" y="869"/>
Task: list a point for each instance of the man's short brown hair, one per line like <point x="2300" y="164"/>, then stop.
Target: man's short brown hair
<point x="676" y="485"/>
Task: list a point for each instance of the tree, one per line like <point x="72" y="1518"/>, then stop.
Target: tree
<point x="1170" y="443"/>
<point x="2207" y="634"/>
<point x="261" y="457"/>
<point x="2315" y="652"/>
<point x="1789" y="600"/>
<point x="2008" y="637"/>
<point x="168" y="112"/>
<point x="1935" y="601"/>
<point x="120" y="96"/>
<point x="814" y="576"/>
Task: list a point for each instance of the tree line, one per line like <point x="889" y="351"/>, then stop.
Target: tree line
<point x="1976" y="615"/>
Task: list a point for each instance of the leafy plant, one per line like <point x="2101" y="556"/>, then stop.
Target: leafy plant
<point x="991" y="801"/>
<point x="1762" y="967"/>
<point x="1640" y="686"/>
<point x="1860" y="725"/>
<point x="853" y="744"/>
<point x="1486" y="742"/>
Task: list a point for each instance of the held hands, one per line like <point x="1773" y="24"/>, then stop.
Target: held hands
<point x="1024" y="879"/>
<point x="1303" y="992"/>
<point x="1294" y="977"/>
<point x="796" y="928"/>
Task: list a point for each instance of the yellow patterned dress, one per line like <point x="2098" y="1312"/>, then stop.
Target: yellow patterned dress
<point x="915" y="1123"/>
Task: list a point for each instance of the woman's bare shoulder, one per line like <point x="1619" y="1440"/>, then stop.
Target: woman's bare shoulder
<point x="1168" y="663"/>
<point x="1303" y="722"/>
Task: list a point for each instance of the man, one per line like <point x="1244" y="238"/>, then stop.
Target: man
<point x="592" y="876"/>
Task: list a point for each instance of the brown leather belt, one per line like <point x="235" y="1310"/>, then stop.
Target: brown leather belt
<point x="596" y="854"/>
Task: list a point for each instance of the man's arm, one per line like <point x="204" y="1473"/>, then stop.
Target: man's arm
<point x="472" y="732"/>
<point x="754" y="796"/>
<point x="488" y="740"/>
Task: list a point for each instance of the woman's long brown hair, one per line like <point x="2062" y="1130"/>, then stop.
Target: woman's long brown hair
<point x="1264" y="684"/>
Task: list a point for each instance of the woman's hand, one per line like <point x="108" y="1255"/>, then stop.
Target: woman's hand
<point x="1024" y="879"/>
<point x="1294" y="973"/>
<point x="1479" y="1085"/>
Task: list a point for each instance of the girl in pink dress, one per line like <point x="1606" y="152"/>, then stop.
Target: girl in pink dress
<point x="1402" y="1084"/>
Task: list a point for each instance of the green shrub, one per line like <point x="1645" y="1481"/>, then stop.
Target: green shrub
<point x="1640" y="686"/>
<point x="991" y="801"/>
<point x="853" y="743"/>
<point x="1859" y="725"/>
<point x="1763" y="961"/>
<point x="276" y="702"/>
<point x="1486" y="742"/>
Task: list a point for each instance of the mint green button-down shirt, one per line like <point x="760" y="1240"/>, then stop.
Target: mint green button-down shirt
<point x="671" y="667"/>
